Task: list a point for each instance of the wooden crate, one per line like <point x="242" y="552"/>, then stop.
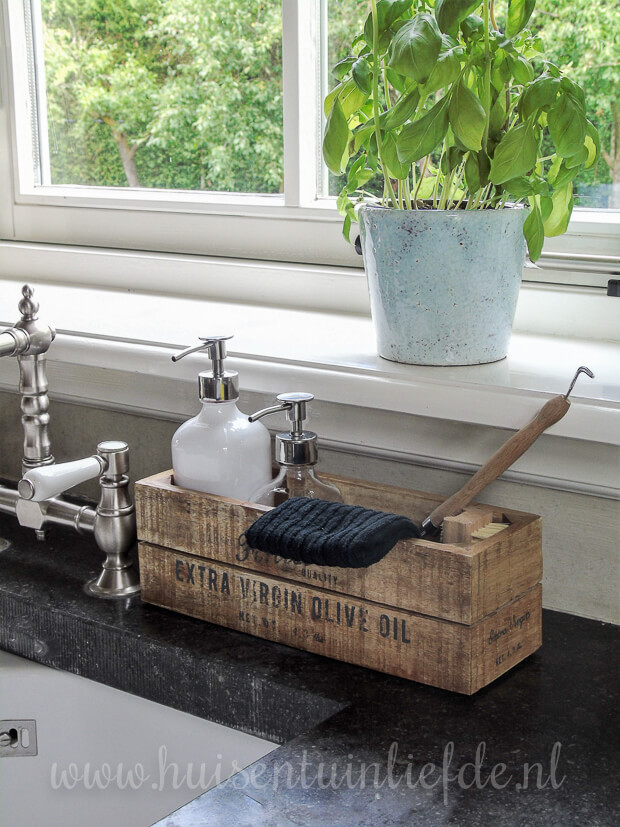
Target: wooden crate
<point x="453" y="615"/>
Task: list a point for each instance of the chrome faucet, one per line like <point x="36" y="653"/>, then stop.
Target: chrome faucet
<point x="38" y="501"/>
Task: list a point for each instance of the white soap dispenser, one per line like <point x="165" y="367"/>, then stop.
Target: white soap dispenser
<point x="297" y="454"/>
<point x="220" y="451"/>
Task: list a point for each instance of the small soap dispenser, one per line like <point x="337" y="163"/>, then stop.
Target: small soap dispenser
<point x="297" y="454"/>
<point x="220" y="451"/>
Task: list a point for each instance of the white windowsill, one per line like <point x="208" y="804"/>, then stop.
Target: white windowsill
<point x="114" y="348"/>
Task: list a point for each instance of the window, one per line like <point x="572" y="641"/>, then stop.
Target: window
<point x="166" y="95"/>
<point x="266" y="225"/>
<point x="260" y="195"/>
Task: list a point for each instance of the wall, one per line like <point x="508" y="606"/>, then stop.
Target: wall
<point x="581" y="533"/>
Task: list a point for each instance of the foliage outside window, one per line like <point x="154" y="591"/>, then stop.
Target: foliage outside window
<point x="176" y="94"/>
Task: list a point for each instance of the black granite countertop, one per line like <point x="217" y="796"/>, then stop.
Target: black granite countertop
<point x="540" y="746"/>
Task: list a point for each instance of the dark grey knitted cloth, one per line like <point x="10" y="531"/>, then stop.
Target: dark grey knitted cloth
<point x="328" y="533"/>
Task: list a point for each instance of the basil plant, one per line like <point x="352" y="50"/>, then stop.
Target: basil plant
<point x="450" y="105"/>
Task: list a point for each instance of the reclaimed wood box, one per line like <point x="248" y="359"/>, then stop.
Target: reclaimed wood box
<point x="452" y="615"/>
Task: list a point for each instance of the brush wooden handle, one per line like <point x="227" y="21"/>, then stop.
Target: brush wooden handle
<point x="551" y="412"/>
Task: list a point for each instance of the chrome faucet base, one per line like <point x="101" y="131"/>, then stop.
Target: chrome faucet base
<point x="111" y="583"/>
<point x="38" y="501"/>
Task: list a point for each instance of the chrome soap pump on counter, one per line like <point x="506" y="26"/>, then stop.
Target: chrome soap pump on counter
<point x="220" y="451"/>
<point x="297" y="453"/>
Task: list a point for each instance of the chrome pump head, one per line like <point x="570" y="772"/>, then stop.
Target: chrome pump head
<point x="219" y="385"/>
<point x="295" y="447"/>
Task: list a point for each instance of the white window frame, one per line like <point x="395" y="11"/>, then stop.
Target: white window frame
<point x="293" y="227"/>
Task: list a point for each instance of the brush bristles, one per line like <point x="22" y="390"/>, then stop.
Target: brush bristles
<point x="489" y="530"/>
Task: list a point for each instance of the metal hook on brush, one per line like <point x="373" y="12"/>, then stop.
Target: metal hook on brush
<point x="582" y="369"/>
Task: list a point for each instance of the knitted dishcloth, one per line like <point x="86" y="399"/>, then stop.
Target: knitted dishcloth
<point x="327" y="533"/>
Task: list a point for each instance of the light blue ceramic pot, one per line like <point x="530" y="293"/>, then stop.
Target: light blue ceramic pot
<point x="443" y="283"/>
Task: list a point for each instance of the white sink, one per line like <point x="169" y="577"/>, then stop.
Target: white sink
<point x="92" y="739"/>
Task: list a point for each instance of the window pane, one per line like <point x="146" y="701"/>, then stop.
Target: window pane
<point x="175" y="94"/>
<point x="581" y="36"/>
<point x="345" y="19"/>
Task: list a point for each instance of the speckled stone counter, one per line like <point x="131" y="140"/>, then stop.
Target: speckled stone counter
<point x="540" y="746"/>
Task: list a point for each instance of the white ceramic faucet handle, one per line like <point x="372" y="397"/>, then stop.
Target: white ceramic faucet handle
<point x="40" y="484"/>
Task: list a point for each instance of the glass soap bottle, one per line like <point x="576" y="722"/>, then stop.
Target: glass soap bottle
<point x="220" y="451"/>
<point x="296" y="453"/>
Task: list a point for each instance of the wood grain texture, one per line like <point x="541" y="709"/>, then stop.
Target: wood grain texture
<point x="458" y="529"/>
<point x="550" y="413"/>
<point x="460" y="583"/>
<point x="449" y="655"/>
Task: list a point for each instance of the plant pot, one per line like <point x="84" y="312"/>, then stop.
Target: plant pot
<point x="443" y="284"/>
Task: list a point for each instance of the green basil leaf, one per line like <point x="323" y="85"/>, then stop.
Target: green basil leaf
<point x="522" y="69"/>
<point x="504" y="71"/>
<point x="346" y="228"/>
<point x="561" y="209"/>
<point x="554" y="169"/>
<point x="336" y="140"/>
<point x="347" y="208"/>
<point x="358" y="175"/>
<point x="362" y="76"/>
<point x="420" y="137"/>
<point x="451" y="159"/>
<point x="398" y="81"/>
<point x="385" y="35"/>
<point x="467" y="117"/>
<point x="342" y="67"/>
<point x="342" y="202"/>
<point x="388" y="11"/>
<point x="520" y="187"/>
<point x="394" y="9"/>
<point x="372" y="152"/>
<point x="472" y="173"/>
<point x="546" y="205"/>
<point x="329" y="99"/>
<point x="593" y="144"/>
<point x="519" y="13"/>
<point x="497" y="79"/>
<point x="515" y="154"/>
<point x="450" y="13"/>
<point x="578" y="159"/>
<point x="539" y="95"/>
<point x="502" y="43"/>
<point x="541" y="187"/>
<point x="567" y="126"/>
<point x="574" y="90"/>
<point x="534" y="231"/>
<point x="427" y="187"/>
<point x="362" y="134"/>
<point x="395" y="168"/>
<point x="351" y="98"/>
<point x="472" y="27"/>
<point x="559" y="174"/>
<point x="498" y="114"/>
<point x="484" y="168"/>
<point x="402" y="110"/>
<point x="415" y="48"/>
<point x="445" y="71"/>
